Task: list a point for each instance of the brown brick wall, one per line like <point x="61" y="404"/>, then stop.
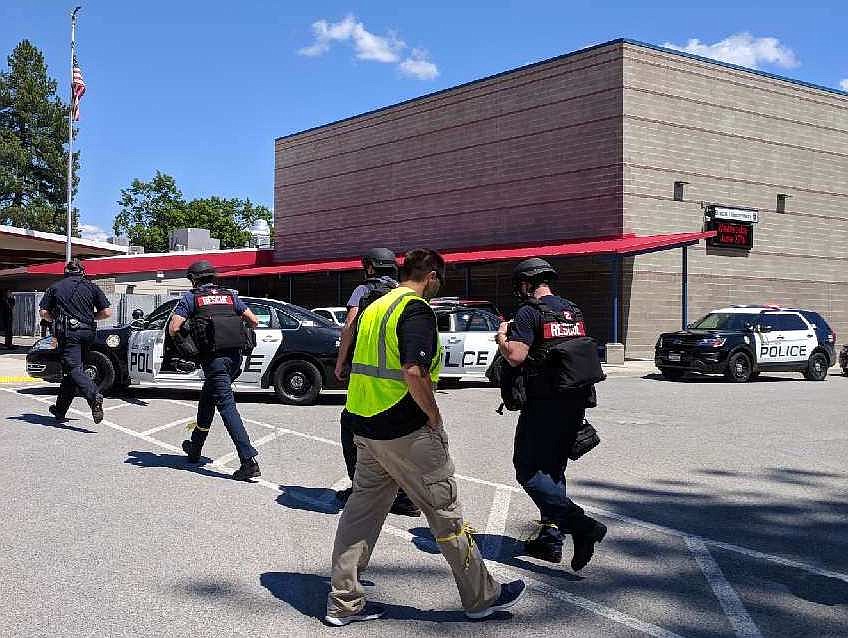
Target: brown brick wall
<point x="484" y="164"/>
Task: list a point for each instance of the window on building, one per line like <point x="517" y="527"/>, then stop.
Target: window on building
<point x="678" y="191"/>
<point x="781" y="202"/>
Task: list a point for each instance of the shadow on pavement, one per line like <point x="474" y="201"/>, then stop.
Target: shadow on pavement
<point x="191" y="395"/>
<point x="307" y="594"/>
<point x="320" y="500"/>
<point x="172" y="461"/>
<point x="48" y="421"/>
<point x="694" y="377"/>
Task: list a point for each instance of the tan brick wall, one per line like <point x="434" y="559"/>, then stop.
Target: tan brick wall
<point x="738" y="139"/>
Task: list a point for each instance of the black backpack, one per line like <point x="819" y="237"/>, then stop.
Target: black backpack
<point x="377" y="287"/>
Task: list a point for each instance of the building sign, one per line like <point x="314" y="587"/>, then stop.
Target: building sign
<point x="734" y="226"/>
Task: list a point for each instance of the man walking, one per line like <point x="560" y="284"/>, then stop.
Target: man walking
<point x="550" y="419"/>
<point x="214" y="318"/>
<point x="74" y="304"/>
<point x="401" y="441"/>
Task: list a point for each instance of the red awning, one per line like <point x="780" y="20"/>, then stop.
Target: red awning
<point x="625" y="245"/>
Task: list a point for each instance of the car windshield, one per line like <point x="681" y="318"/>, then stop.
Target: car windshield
<point x="724" y="321"/>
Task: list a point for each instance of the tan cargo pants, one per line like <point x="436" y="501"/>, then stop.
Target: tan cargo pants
<point x="421" y="465"/>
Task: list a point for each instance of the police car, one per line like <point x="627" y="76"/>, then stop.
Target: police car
<point x="742" y="341"/>
<point x="335" y="314"/>
<point x="294" y="357"/>
<point x="468" y="338"/>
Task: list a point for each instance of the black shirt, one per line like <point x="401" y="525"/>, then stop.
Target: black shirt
<point x="527" y="321"/>
<point x="418" y="340"/>
<point x="76" y="297"/>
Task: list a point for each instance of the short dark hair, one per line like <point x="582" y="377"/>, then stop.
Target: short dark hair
<point x="418" y="263"/>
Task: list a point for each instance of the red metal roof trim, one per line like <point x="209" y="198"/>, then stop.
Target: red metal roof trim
<point x="626" y="245"/>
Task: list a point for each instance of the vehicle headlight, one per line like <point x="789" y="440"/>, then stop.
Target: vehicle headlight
<point x="113" y="341"/>
<point x="47" y="343"/>
<point x="659" y="342"/>
<point x="714" y="342"/>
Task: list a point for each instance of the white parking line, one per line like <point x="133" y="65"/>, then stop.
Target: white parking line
<point x="231" y="456"/>
<point x="302" y="435"/>
<point x="168" y="426"/>
<point x="729" y="600"/>
<point x="496" y="524"/>
<point x="116" y="407"/>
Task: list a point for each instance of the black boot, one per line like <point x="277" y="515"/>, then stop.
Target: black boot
<point x="249" y="469"/>
<point x="404" y="507"/>
<point x="343" y="495"/>
<point x="547" y="545"/>
<point x="97" y="408"/>
<point x="57" y="413"/>
<point x="192" y="451"/>
<point x="584" y="543"/>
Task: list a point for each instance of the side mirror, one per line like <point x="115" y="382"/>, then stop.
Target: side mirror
<point x="690" y="325"/>
<point x="764" y="328"/>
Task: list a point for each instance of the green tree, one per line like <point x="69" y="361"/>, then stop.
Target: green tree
<point x="148" y="211"/>
<point x="33" y="158"/>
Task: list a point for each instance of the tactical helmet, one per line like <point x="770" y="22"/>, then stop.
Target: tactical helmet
<point x="533" y="270"/>
<point x="74" y="267"/>
<point x="381" y="259"/>
<point x="201" y="270"/>
<point x="138" y="313"/>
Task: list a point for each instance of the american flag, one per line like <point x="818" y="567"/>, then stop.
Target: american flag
<point x="77" y="89"/>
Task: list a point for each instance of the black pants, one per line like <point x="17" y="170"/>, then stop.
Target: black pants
<point x="545" y="434"/>
<point x="73" y="349"/>
<point x="219" y="372"/>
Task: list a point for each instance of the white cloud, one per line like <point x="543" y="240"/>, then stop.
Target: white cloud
<point x="743" y="49"/>
<point x="90" y="231"/>
<point x="418" y="66"/>
<point x="844" y="84"/>
<point x="386" y="49"/>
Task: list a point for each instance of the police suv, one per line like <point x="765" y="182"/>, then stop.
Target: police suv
<point x="742" y="341"/>
<point x="468" y="339"/>
<point x="295" y="354"/>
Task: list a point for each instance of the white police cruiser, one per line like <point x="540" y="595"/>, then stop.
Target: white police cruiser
<point x="468" y="339"/>
<point x="742" y="341"/>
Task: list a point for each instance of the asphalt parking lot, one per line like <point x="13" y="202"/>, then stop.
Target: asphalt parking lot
<point x="726" y="506"/>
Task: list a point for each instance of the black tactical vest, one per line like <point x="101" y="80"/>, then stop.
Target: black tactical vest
<point x="215" y="324"/>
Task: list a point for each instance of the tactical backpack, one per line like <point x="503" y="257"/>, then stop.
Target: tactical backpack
<point x="215" y="326"/>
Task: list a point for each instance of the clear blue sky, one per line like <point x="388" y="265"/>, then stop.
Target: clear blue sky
<point x="200" y="90"/>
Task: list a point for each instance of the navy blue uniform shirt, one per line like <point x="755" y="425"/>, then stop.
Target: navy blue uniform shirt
<point x="185" y="307"/>
<point x="527" y="320"/>
<point x="76" y="297"/>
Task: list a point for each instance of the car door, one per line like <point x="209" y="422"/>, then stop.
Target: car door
<point x="479" y="347"/>
<point x="146" y="346"/>
<point x="799" y="338"/>
<point x="269" y="338"/>
<point x="783" y="338"/>
<point x="451" y="342"/>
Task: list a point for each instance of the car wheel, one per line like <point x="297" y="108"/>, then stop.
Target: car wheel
<point x="297" y="382"/>
<point x="100" y="369"/>
<point x="673" y="374"/>
<point x="739" y="368"/>
<point x="845" y="371"/>
<point x="816" y="367"/>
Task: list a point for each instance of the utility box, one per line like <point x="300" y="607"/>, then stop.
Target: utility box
<point x="192" y="239"/>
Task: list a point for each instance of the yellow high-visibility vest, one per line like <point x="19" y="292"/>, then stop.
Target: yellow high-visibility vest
<point x="376" y="375"/>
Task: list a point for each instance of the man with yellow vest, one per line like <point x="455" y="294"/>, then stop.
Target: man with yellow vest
<point x="401" y="442"/>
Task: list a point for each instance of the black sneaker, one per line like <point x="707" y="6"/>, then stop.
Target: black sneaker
<point x="543" y="551"/>
<point x="59" y="416"/>
<point x="192" y="451"/>
<point x="343" y="495"/>
<point x="371" y="611"/>
<point x="97" y="408"/>
<point x="584" y="545"/>
<point x="249" y="469"/>
<point x="511" y="593"/>
<point x="404" y="507"/>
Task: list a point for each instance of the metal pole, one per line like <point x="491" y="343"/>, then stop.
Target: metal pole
<point x="684" y="290"/>
<point x="616" y="285"/>
<point x="468" y="282"/>
<point x="68" y="221"/>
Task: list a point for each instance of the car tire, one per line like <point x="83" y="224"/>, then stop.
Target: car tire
<point x="297" y="382"/>
<point x="845" y="372"/>
<point x="739" y="368"/>
<point x="101" y="370"/>
<point x="673" y="374"/>
<point x="816" y="367"/>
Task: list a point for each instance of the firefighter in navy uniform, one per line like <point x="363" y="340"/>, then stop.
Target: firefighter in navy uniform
<point x="550" y="419"/>
<point x="380" y="266"/>
<point x="214" y="317"/>
<point x="74" y="304"/>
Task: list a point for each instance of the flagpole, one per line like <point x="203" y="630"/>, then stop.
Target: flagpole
<point x="71" y="139"/>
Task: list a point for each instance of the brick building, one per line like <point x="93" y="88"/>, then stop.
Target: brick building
<point x="619" y="140"/>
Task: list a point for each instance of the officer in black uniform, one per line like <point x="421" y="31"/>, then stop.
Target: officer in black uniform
<point x="74" y="304"/>
<point x="380" y="266"/>
<point x="214" y="317"/>
<point x="550" y="419"/>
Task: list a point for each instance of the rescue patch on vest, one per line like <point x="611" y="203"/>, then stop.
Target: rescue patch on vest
<point x="215" y="300"/>
<point x="558" y="330"/>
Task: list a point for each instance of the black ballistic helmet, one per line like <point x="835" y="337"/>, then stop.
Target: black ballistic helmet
<point x="381" y="259"/>
<point x="533" y="270"/>
<point x="201" y="270"/>
<point x="74" y="267"/>
<point x="138" y="313"/>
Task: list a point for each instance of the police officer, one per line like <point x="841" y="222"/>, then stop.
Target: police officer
<point x="214" y="318"/>
<point x="74" y="304"/>
<point x="550" y="419"/>
<point x="380" y="266"/>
